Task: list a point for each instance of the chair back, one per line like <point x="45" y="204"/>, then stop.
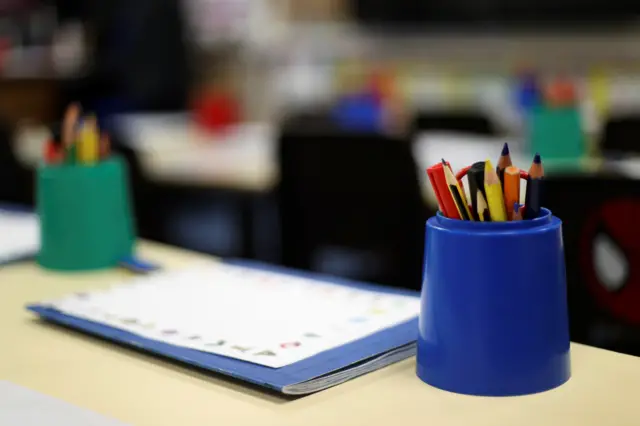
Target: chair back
<point x="351" y="205"/>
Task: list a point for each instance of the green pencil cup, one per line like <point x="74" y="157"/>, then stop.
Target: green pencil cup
<point x="86" y="221"/>
<point x="556" y="133"/>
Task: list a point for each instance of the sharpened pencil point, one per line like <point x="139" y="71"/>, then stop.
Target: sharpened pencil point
<point x="505" y="150"/>
<point x="488" y="165"/>
<point x="516" y="207"/>
<point x="536" y="159"/>
<point x="444" y="163"/>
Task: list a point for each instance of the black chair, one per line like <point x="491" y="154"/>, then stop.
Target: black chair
<point x="600" y="233"/>
<point x="459" y="121"/>
<point x="16" y="180"/>
<point x="621" y="135"/>
<point x="351" y="206"/>
<point x="210" y="220"/>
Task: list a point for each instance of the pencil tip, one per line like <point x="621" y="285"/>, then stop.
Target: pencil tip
<point x="516" y="207"/>
<point x="488" y="165"/>
<point x="536" y="159"/>
<point x="444" y="162"/>
<point x="505" y="150"/>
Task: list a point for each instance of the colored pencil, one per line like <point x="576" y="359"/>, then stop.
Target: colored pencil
<point x="517" y="212"/>
<point x="483" y="209"/>
<point x="105" y="148"/>
<point x="456" y="193"/>
<point x="68" y="133"/>
<point x="511" y="188"/>
<point x="436" y="189"/>
<point x="87" y="150"/>
<point x="534" y="189"/>
<point x="503" y="162"/>
<point x="493" y="189"/>
<point x="462" y="173"/>
<point x="462" y="192"/>
<point x="69" y="125"/>
<point x="439" y="183"/>
<point x="475" y="177"/>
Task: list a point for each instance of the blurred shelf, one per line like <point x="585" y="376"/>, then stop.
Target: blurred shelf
<point x="29" y="63"/>
<point x="548" y="47"/>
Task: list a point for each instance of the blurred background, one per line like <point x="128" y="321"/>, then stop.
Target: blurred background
<point x="298" y="132"/>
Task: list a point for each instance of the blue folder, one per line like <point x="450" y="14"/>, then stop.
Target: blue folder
<point x="310" y="375"/>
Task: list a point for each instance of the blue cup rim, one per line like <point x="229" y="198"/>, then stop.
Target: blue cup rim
<point x="543" y="219"/>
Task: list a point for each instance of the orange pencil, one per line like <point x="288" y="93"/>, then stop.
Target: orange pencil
<point x="511" y="189"/>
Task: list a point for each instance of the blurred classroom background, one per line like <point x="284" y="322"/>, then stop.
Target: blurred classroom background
<point x="298" y="132"/>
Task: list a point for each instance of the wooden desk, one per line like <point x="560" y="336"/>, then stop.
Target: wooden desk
<point x="142" y="390"/>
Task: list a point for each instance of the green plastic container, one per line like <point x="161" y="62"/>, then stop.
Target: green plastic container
<point x="85" y="215"/>
<point x="556" y="133"/>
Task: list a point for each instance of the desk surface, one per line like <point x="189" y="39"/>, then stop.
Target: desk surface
<point x="142" y="390"/>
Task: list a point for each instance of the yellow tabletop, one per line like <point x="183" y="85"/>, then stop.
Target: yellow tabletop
<point x="140" y="389"/>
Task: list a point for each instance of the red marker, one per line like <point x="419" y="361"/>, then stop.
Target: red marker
<point x="439" y="183"/>
<point x="52" y="153"/>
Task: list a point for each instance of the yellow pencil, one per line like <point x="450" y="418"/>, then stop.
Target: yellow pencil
<point x="88" y="145"/>
<point x="493" y="189"/>
<point x="483" y="209"/>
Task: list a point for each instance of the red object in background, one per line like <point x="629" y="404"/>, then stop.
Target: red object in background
<point x="382" y="85"/>
<point x="52" y="153"/>
<point x="215" y="112"/>
<point x="609" y="255"/>
<point x="561" y="92"/>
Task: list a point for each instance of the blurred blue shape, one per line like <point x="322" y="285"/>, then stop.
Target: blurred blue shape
<point x="528" y="93"/>
<point x="359" y="112"/>
<point x="107" y="108"/>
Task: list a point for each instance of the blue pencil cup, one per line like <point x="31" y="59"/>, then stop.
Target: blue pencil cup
<point x="494" y="318"/>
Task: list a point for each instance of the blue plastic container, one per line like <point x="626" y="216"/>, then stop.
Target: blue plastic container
<point x="494" y="318"/>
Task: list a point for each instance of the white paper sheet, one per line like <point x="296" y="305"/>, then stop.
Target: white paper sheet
<point x="23" y="407"/>
<point x="261" y="317"/>
<point x="20" y="235"/>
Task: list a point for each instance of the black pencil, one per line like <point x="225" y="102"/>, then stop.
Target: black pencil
<point x="475" y="176"/>
<point x="533" y="196"/>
